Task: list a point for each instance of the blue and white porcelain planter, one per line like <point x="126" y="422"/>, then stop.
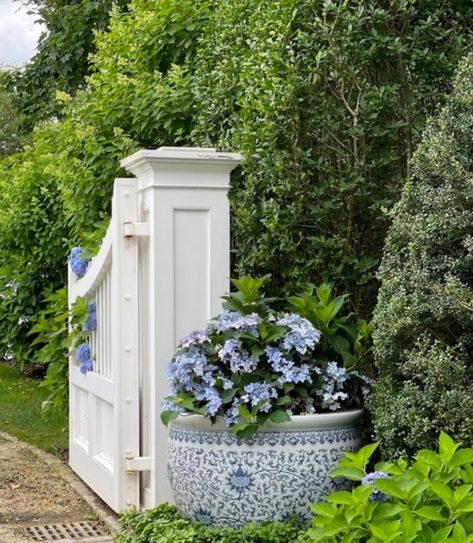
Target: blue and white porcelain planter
<point x="222" y="480"/>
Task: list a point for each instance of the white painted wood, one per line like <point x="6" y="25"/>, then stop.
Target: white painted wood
<point x="182" y="194"/>
<point x="104" y="403"/>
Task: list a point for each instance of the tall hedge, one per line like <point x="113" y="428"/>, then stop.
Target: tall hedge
<point x="326" y="100"/>
<point x="424" y="316"/>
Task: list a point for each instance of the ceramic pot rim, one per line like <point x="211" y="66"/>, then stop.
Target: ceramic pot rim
<point x="318" y="421"/>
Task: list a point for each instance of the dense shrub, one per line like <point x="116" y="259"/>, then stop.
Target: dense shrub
<point x="325" y="99"/>
<point x="165" y="525"/>
<point x="424" y="317"/>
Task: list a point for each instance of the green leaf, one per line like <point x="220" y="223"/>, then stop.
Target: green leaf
<point x="442" y="491"/>
<point x="442" y="534"/>
<point x="390" y="487"/>
<point x="325" y="509"/>
<point x="342" y="498"/>
<point x="167" y="416"/>
<point x="283" y="400"/>
<point x="228" y="395"/>
<point x="447" y="447"/>
<point x="245" y="413"/>
<point x="353" y="474"/>
<point x="244" y="430"/>
<point x="430" y="512"/>
<point x="279" y="416"/>
<point x="462" y="457"/>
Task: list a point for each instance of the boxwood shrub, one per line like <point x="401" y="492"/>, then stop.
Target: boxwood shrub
<point x="423" y="339"/>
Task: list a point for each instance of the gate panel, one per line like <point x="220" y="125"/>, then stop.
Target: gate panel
<point x="104" y="403"/>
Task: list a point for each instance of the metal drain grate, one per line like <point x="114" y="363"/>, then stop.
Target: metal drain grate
<point x="76" y="531"/>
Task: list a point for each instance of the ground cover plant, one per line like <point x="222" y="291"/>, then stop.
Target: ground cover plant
<point x="423" y="340"/>
<point x="429" y="500"/>
<point x="164" y="524"/>
<point x="21" y="412"/>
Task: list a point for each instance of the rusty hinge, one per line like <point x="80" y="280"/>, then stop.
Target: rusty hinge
<point x="133" y="229"/>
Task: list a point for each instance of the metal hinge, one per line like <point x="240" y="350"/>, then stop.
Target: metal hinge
<point x="134" y="229"/>
<point x="137" y="463"/>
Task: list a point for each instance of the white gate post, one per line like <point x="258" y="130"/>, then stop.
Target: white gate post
<point x="183" y="197"/>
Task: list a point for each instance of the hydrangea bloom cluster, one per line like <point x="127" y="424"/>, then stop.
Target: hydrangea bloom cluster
<point x="249" y="366"/>
<point x="376" y="495"/>
<point x="77" y="261"/>
<point x="84" y="357"/>
<point x="91" y="322"/>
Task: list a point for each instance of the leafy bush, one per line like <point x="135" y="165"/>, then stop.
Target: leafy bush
<point x="430" y="500"/>
<point x="253" y="364"/>
<point x="423" y="342"/>
<point x="165" y="525"/>
<point x="57" y="193"/>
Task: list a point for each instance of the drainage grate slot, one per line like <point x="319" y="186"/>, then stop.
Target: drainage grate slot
<point x="76" y="531"/>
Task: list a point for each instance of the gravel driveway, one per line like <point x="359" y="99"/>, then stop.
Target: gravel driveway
<point x="34" y="492"/>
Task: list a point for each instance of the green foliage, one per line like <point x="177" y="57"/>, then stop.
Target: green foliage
<point x="10" y="139"/>
<point x="341" y="337"/>
<point x="21" y="402"/>
<point x="423" y="342"/>
<point x="62" y="61"/>
<point x="427" y="501"/>
<point x="166" y="525"/>
<point x="326" y="101"/>
<point x="58" y="331"/>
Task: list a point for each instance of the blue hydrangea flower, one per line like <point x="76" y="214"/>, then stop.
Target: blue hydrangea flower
<point x="301" y="336"/>
<point x="238" y="359"/>
<point x="332" y="391"/>
<point x="83" y="352"/>
<point x="84" y="357"/>
<point x="257" y="392"/>
<point x="214" y="401"/>
<point x="240" y="480"/>
<point x="233" y="413"/>
<point x="185" y="366"/>
<point x="77" y="261"/>
<point x="376" y="495"/>
<point x="290" y="372"/>
<point x="338" y="373"/>
<point x="169" y="405"/>
<point x="86" y="366"/>
<point x="91" y="322"/>
<point x="232" y="320"/>
<point x="197" y="337"/>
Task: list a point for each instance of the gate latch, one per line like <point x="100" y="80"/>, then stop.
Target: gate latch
<point x="137" y="463"/>
<point x="133" y="229"/>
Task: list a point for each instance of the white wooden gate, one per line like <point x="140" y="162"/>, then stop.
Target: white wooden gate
<point x="161" y="271"/>
<point x="104" y="403"/>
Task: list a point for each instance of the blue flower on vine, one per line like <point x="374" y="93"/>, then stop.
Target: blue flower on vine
<point x="91" y="322"/>
<point x="77" y="261"/>
<point x="84" y="357"/>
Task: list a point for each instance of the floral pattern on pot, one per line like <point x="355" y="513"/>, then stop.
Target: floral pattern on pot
<point x="222" y="480"/>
